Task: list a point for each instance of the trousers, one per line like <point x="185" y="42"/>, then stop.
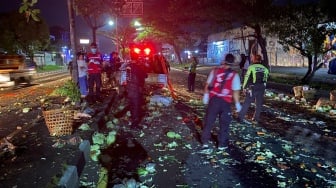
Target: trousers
<point x="83" y="85"/>
<point x="256" y="95"/>
<point x="217" y="107"/>
<point x="191" y="81"/>
<point x="95" y="84"/>
<point x="135" y="98"/>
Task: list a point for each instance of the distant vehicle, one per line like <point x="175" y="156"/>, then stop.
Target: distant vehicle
<point x="155" y="66"/>
<point x="157" y="71"/>
<point x="16" y="69"/>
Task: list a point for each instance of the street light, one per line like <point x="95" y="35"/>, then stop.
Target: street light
<point x="137" y="23"/>
<point x="110" y="22"/>
<point x="138" y="26"/>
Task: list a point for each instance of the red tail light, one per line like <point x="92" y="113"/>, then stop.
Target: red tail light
<point x="147" y="51"/>
<point x="137" y="50"/>
<point x="142" y="50"/>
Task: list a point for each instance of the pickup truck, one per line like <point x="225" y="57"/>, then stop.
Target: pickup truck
<point x="15" y="69"/>
<point x="157" y="71"/>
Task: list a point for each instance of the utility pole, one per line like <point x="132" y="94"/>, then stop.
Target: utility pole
<point x="71" y="13"/>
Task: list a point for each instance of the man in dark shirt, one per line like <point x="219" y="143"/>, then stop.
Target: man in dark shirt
<point x="136" y="76"/>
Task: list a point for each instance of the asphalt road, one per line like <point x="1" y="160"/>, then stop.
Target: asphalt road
<point x="245" y="166"/>
<point x="320" y="75"/>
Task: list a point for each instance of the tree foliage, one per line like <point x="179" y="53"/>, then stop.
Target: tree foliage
<point x="27" y="8"/>
<point x="96" y="13"/>
<point x="20" y="35"/>
<point x="183" y="17"/>
<point x="296" y="24"/>
<point x="164" y="25"/>
<point x="303" y="27"/>
<point x="328" y="7"/>
<point x="121" y="37"/>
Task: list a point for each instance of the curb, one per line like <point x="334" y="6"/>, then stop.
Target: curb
<point x="72" y="174"/>
<point x="40" y="74"/>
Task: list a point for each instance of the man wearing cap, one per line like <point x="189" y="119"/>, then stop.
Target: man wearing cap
<point x="221" y="89"/>
<point x="254" y="86"/>
<point x="95" y="60"/>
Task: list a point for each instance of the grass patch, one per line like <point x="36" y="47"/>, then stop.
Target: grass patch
<point x="184" y="66"/>
<point x="179" y="66"/>
<point x="296" y="81"/>
<point x="47" y="68"/>
<point x="284" y="80"/>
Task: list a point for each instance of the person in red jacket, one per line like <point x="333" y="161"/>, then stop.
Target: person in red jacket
<point x="95" y="61"/>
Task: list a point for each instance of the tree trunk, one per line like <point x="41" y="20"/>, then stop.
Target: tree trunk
<point x="71" y="13"/>
<point x="313" y="66"/>
<point x="307" y="77"/>
<point x="262" y="43"/>
<point x="94" y="35"/>
<point x="177" y="52"/>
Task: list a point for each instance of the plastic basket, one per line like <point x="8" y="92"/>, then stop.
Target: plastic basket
<point x="59" y="121"/>
<point x="309" y="94"/>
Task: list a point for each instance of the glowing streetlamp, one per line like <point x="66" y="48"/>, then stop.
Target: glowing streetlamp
<point x="138" y="26"/>
<point x="115" y="24"/>
<point x="137" y="23"/>
<point x="110" y="23"/>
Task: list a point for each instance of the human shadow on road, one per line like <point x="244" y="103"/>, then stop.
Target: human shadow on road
<point x="123" y="158"/>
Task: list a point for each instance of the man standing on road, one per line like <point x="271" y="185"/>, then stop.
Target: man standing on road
<point x="115" y="61"/>
<point x="136" y="76"/>
<point x="192" y="74"/>
<point x="95" y="60"/>
<point x="254" y="86"/>
<point x="221" y="88"/>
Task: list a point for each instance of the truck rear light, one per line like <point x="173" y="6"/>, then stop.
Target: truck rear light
<point x="147" y="51"/>
<point x="137" y="50"/>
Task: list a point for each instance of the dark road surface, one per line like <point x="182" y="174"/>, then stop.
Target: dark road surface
<point x="291" y="147"/>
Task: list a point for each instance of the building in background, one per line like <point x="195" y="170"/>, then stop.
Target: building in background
<point x="240" y="40"/>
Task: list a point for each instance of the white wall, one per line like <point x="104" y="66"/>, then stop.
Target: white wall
<point x="232" y="41"/>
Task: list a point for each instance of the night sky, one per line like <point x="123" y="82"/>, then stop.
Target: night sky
<point x="55" y="13"/>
